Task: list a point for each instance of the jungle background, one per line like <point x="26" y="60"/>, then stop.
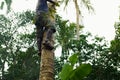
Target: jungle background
<point x="90" y="57"/>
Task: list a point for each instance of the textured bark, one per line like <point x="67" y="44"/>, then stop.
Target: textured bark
<point x="77" y="19"/>
<point x="47" y="58"/>
<point x="47" y="63"/>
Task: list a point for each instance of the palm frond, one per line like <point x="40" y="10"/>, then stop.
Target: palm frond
<point x="88" y="5"/>
<point x="66" y="2"/>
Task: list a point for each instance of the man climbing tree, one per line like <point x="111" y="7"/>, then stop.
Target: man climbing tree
<point x="43" y="23"/>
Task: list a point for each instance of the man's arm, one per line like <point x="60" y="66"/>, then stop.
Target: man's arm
<point x="53" y="2"/>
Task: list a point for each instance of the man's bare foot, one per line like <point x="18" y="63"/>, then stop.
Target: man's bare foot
<point x="48" y="45"/>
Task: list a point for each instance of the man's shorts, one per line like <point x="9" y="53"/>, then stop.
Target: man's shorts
<point x="43" y="20"/>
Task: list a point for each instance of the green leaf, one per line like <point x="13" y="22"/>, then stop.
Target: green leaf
<point x="57" y="3"/>
<point x="73" y="59"/>
<point x="8" y="3"/>
<point x="66" y="3"/>
<point x="66" y="70"/>
<point x="2" y="5"/>
<point x="81" y="72"/>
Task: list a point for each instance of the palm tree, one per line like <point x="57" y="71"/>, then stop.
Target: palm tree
<point x="87" y="4"/>
<point x="47" y="55"/>
<point x="77" y="18"/>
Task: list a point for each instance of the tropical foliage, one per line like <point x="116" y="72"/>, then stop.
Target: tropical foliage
<point x="90" y="58"/>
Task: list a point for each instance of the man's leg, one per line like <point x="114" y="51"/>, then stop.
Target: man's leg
<point x="47" y="42"/>
<point x="40" y="26"/>
<point x="39" y="38"/>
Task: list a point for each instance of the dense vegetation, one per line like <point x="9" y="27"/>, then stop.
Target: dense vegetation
<point x="90" y="58"/>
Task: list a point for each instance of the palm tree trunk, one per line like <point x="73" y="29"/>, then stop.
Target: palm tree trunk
<point x="47" y="57"/>
<point x="47" y="64"/>
<point x="77" y="19"/>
